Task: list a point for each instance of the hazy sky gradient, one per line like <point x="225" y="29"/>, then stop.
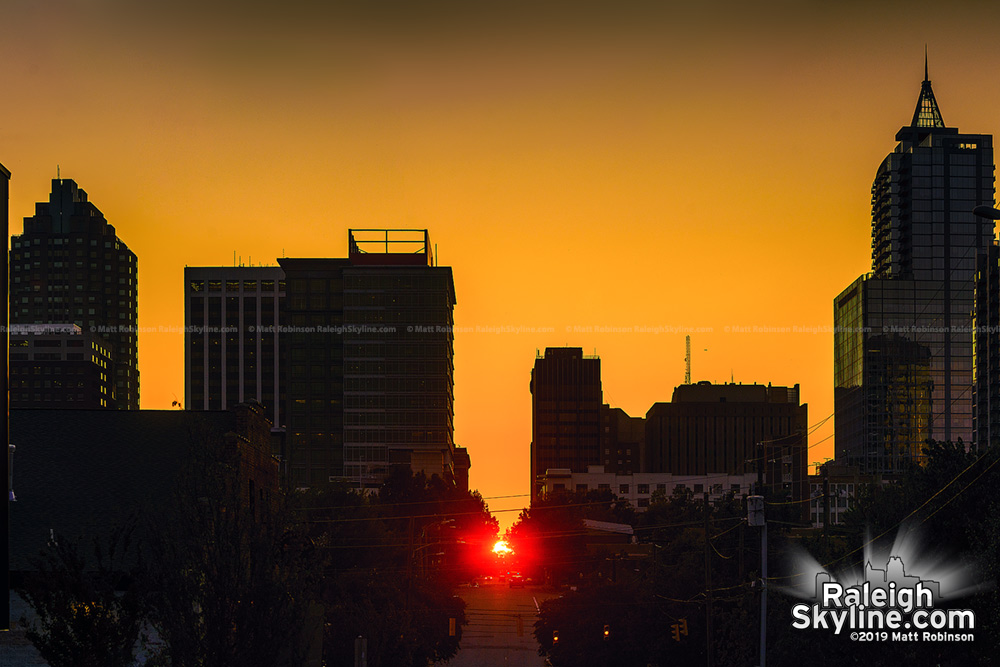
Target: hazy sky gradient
<point x="577" y="164"/>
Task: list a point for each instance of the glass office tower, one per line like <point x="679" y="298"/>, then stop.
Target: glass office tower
<point x="903" y="343"/>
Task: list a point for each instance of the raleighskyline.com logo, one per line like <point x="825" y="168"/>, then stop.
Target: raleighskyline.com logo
<point x="887" y="605"/>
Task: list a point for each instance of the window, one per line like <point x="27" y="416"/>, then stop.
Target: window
<point x="623" y="488"/>
<point x="643" y="488"/>
<point x="699" y="488"/>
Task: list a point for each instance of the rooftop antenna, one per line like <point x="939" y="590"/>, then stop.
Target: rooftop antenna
<point x="687" y="359"/>
<point x="58" y="174"/>
<point x="926" y="78"/>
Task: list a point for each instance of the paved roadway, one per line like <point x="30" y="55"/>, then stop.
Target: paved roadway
<point x="490" y="639"/>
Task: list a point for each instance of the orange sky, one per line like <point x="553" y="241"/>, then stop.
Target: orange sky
<point x="577" y="164"/>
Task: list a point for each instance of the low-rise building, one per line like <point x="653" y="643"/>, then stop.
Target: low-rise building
<point x="639" y="488"/>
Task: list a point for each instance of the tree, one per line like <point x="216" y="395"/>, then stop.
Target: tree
<point x="405" y="623"/>
<point x="89" y="612"/>
<point x="380" y="580"/>
<point x="228" y="585"/>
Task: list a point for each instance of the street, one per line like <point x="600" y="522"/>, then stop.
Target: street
<point x="491" y="638"/>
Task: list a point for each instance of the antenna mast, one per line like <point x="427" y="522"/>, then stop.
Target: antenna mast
<point x="687" y="359"/>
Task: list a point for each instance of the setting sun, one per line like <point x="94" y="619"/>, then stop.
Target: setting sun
<point x="501" y="548"/>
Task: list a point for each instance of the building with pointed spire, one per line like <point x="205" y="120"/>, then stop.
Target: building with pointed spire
<point x="69" y="267"/>
<point x="903" y="342"/>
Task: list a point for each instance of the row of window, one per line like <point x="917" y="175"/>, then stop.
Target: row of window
<point x="21" y="242"/>
<point x="237" y="285"/>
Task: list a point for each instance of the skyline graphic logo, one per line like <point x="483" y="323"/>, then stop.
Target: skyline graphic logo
<point x="890" y="604"/>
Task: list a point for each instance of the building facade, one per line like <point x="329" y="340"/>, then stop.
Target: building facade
<point x="69" y="266"/>
<point x="623" y="441"/>
<point x="732" y="430"/>
<point x="53" y="365"/>
<point x="232" y="351"/>
<point x="903" y="344"/>
<point x="642" y="488"/>
<point x="369" y="379"/>
<point x="566" y="407"/>
<point x="82" y="474"/>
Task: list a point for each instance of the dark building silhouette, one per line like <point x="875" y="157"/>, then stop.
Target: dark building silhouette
<point x="986" y="349"/>
<point x="54" y="365"/>
<point x="81" y="474"/>
<point x="232" y="352"/>
<point x="369" y="361"/>
<point x="717" y="439"/>
<point x="5" y="531"/>
<point x="462" y="464"/>
<point x="730" y="430"/>
<point x="623" y="441"/>
<point x="566" y="404"/>
<point x="903" y="344"/>
<point x="69" y="266"/>
<point x="352" y="357"/>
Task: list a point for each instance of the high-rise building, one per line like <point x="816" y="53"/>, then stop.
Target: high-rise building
<point x="566" y="404"/>
<point x="232" y="350"/>
<point x="369" y="362"/>
<point x="903" y="344"/>
<point x="69" y="266"/>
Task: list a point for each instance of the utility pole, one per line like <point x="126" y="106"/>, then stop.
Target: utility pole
<point x="708" y="584"/>
<point x="761" y="460"/>
<point x="826" y="497"/>
<point x="742" y="526"/>
<point x="755" y="517"/>
<point x="409" y="563"/>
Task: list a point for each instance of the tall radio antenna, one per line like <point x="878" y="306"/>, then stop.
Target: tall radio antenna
<point x="687" y="359"/>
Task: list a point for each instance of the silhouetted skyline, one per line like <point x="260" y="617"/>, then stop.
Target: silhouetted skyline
<point x="600" y="177"/>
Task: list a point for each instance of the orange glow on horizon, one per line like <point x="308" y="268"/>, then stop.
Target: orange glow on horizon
<point x="597" y="178"/>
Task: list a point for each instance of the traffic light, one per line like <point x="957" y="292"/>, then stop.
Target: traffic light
<point x="555" y="637"/>
<point x="684" y="626"/>
<point x="675" y="632"/>
<point x="607" y="632"/>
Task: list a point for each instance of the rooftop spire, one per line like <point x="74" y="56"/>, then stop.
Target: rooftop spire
<point x="927" y="113"/>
